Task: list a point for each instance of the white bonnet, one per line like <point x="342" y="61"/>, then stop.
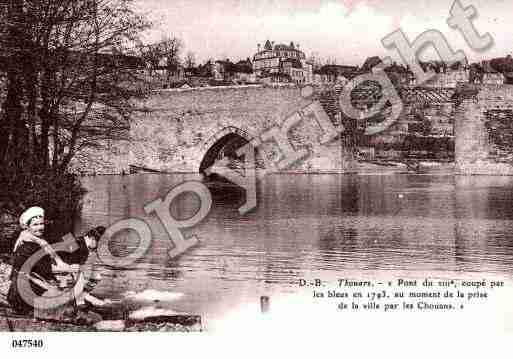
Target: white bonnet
<point x="29" y="214"/>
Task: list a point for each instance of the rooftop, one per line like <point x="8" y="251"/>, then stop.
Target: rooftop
<point x="270" y="46"/>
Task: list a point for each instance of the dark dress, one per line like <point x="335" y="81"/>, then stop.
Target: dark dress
<point x="42" y="268"/>
<point x="79" y="255"/>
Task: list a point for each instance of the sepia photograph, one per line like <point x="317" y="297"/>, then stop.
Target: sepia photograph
<point x="279" y="169"/>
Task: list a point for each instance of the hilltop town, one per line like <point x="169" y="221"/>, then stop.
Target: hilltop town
<point x="275" y="63"/>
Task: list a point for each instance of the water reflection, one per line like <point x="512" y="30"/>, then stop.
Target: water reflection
<point x="483" y="225"/>
<point x="305" y="224"/>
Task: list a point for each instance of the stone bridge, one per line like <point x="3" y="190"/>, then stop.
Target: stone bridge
<point x="185" y="131"/>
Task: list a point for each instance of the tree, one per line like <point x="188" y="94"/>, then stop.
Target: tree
<point x="205" y="70"/>
<point x="69" y="76"/>
<point x="330" y="61"/>
<point x="190" y="60"/>
<point x="171" y="48"/>
<point x="151" y="55"/>
<point x="164" y="54"/>
<point x="69" y="81"/>
<point x="13" y="132"/>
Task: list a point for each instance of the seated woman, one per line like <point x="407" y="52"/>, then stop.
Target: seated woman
<point x="30" y="241"/>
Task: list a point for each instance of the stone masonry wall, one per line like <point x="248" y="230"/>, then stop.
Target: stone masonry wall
<point x="111" y="157"/>
<point x="178" y="127"/>
<point x="483" y="126"/>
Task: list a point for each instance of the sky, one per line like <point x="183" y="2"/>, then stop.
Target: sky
<point x="346" y="30"/>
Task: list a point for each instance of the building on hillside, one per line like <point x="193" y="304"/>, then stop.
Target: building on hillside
<point x="243" y="72"/>
<point x="319" y="79"/>
<point x="221" y="70"/>
<point x="200" y="75"/>
<point x="332" y="74"/>
<point x="298" y="75"/>
<point x="296" y="71"/>
<point x="169" y="74"/>
<point x="205" y="70"/>
<point x="284" y="59"/>
<point x="475" y="74"/>
<point x="493" y="78"/>
<point x="227" y="71"/>
<point x="490" y="75"/>
<point x="449" y="79"/>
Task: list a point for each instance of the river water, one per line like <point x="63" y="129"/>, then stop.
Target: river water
<point x="305" y="226"/>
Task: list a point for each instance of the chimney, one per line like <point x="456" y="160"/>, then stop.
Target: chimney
<point x="258" y="47"/>
<point x="297" y="46"/>
<point x="292" y="44"/>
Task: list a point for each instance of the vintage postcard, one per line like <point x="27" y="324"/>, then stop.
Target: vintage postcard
<point x="273" y="168"/>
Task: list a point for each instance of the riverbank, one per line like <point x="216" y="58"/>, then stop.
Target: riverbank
<point x="105" y="316"/>
<point x="382" y="166"/>
<point x="176" y="323"/>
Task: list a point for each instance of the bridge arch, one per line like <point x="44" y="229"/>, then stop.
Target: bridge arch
<point x="223" y="143"/>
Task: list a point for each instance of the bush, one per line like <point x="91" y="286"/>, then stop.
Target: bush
<point x="60" y="194"/>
